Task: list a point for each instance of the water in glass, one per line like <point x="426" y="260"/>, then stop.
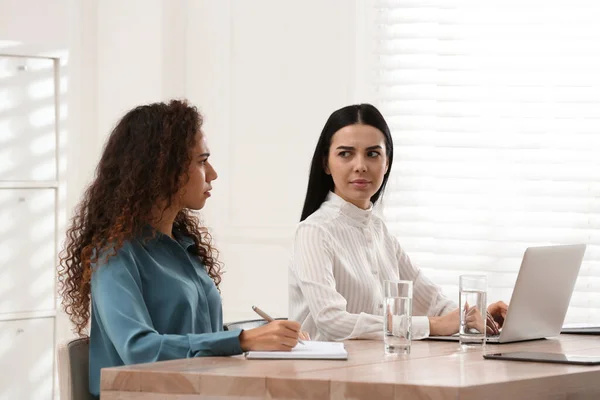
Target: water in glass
<point x="397" y="325"/>
<point x="473" y="332"/>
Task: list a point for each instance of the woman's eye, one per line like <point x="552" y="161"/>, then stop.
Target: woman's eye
<point x="344" y="154"/>
<point x="373" y="154"/>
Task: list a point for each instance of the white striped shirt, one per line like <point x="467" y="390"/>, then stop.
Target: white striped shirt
<point x="341" y="256"/>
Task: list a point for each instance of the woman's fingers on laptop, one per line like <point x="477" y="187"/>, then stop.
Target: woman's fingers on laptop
<point x="474" y="320"/>
<point x="492" y="326"/>
<point x="498" y="311"/>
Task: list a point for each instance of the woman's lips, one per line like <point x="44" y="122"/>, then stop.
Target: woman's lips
<point x="360" y="183"/>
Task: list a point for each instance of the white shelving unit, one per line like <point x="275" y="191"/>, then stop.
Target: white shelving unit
<point x="29" y="211"/>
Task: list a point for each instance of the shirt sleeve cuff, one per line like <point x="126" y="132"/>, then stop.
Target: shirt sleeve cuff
<point x="225" y="343"/>
<point x="420" y="328"/>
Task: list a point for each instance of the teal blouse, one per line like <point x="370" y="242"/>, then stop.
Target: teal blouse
<point x="154" y="301"/>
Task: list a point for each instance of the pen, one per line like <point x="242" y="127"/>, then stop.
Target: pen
<point x="268" y="318"/>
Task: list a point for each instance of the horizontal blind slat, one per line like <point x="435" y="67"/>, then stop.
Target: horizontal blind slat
<point x="574" y="189"/>
<point x="495" y="114"/>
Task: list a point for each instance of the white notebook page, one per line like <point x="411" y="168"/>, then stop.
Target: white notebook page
<point x="309" y="350"/>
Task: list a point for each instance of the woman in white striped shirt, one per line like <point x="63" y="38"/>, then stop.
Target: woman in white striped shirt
<point x="343" y="252"/>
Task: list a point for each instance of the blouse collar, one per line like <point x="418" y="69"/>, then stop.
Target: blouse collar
<point x="184" y="241"/>
<point x="354" y="213"/>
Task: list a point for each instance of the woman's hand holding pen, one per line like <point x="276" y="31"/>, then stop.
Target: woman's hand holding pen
<point x="278" y="335"/>
<point x="303" y="336"/>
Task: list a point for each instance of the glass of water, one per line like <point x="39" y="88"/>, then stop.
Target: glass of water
<point x="397" y="316"/>
<point x="473" y="309"/>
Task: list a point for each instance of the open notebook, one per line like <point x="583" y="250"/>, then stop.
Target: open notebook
<point x="311" y="350"/>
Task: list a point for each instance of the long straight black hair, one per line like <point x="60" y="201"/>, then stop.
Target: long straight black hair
<point x="319" y="182"/>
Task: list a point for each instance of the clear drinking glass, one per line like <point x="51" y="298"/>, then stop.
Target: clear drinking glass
<point x="473" y="309"/>
<point x="397" y="316"/>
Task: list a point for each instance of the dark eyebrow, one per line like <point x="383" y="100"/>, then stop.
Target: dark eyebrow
<point x="376" y="147"/>
<point x="204" y="155"/>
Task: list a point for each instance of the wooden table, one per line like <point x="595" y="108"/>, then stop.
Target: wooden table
<point x="434" y="370"/>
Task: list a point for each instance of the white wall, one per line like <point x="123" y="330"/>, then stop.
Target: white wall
<point x="127" y="53"/>
<point x="35" y="21"/>
<point x="266" y="74"/>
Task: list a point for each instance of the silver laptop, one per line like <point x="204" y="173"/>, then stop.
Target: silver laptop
<point x="542" y="293"/>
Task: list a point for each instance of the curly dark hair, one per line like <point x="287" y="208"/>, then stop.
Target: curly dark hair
<point x="144" y="163"/>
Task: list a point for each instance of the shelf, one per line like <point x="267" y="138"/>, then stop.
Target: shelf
<point x="28" y="315"/>
<point x="30" y="190"/>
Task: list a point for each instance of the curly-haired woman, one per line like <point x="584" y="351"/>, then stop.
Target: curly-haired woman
<point x="136" y="262"/>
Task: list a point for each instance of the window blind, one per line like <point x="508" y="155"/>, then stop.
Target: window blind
<point x="495" y="113"/>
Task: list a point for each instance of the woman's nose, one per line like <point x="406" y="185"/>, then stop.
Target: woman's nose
<point x="360" y="164"/>
<point x="212" y="174"/>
